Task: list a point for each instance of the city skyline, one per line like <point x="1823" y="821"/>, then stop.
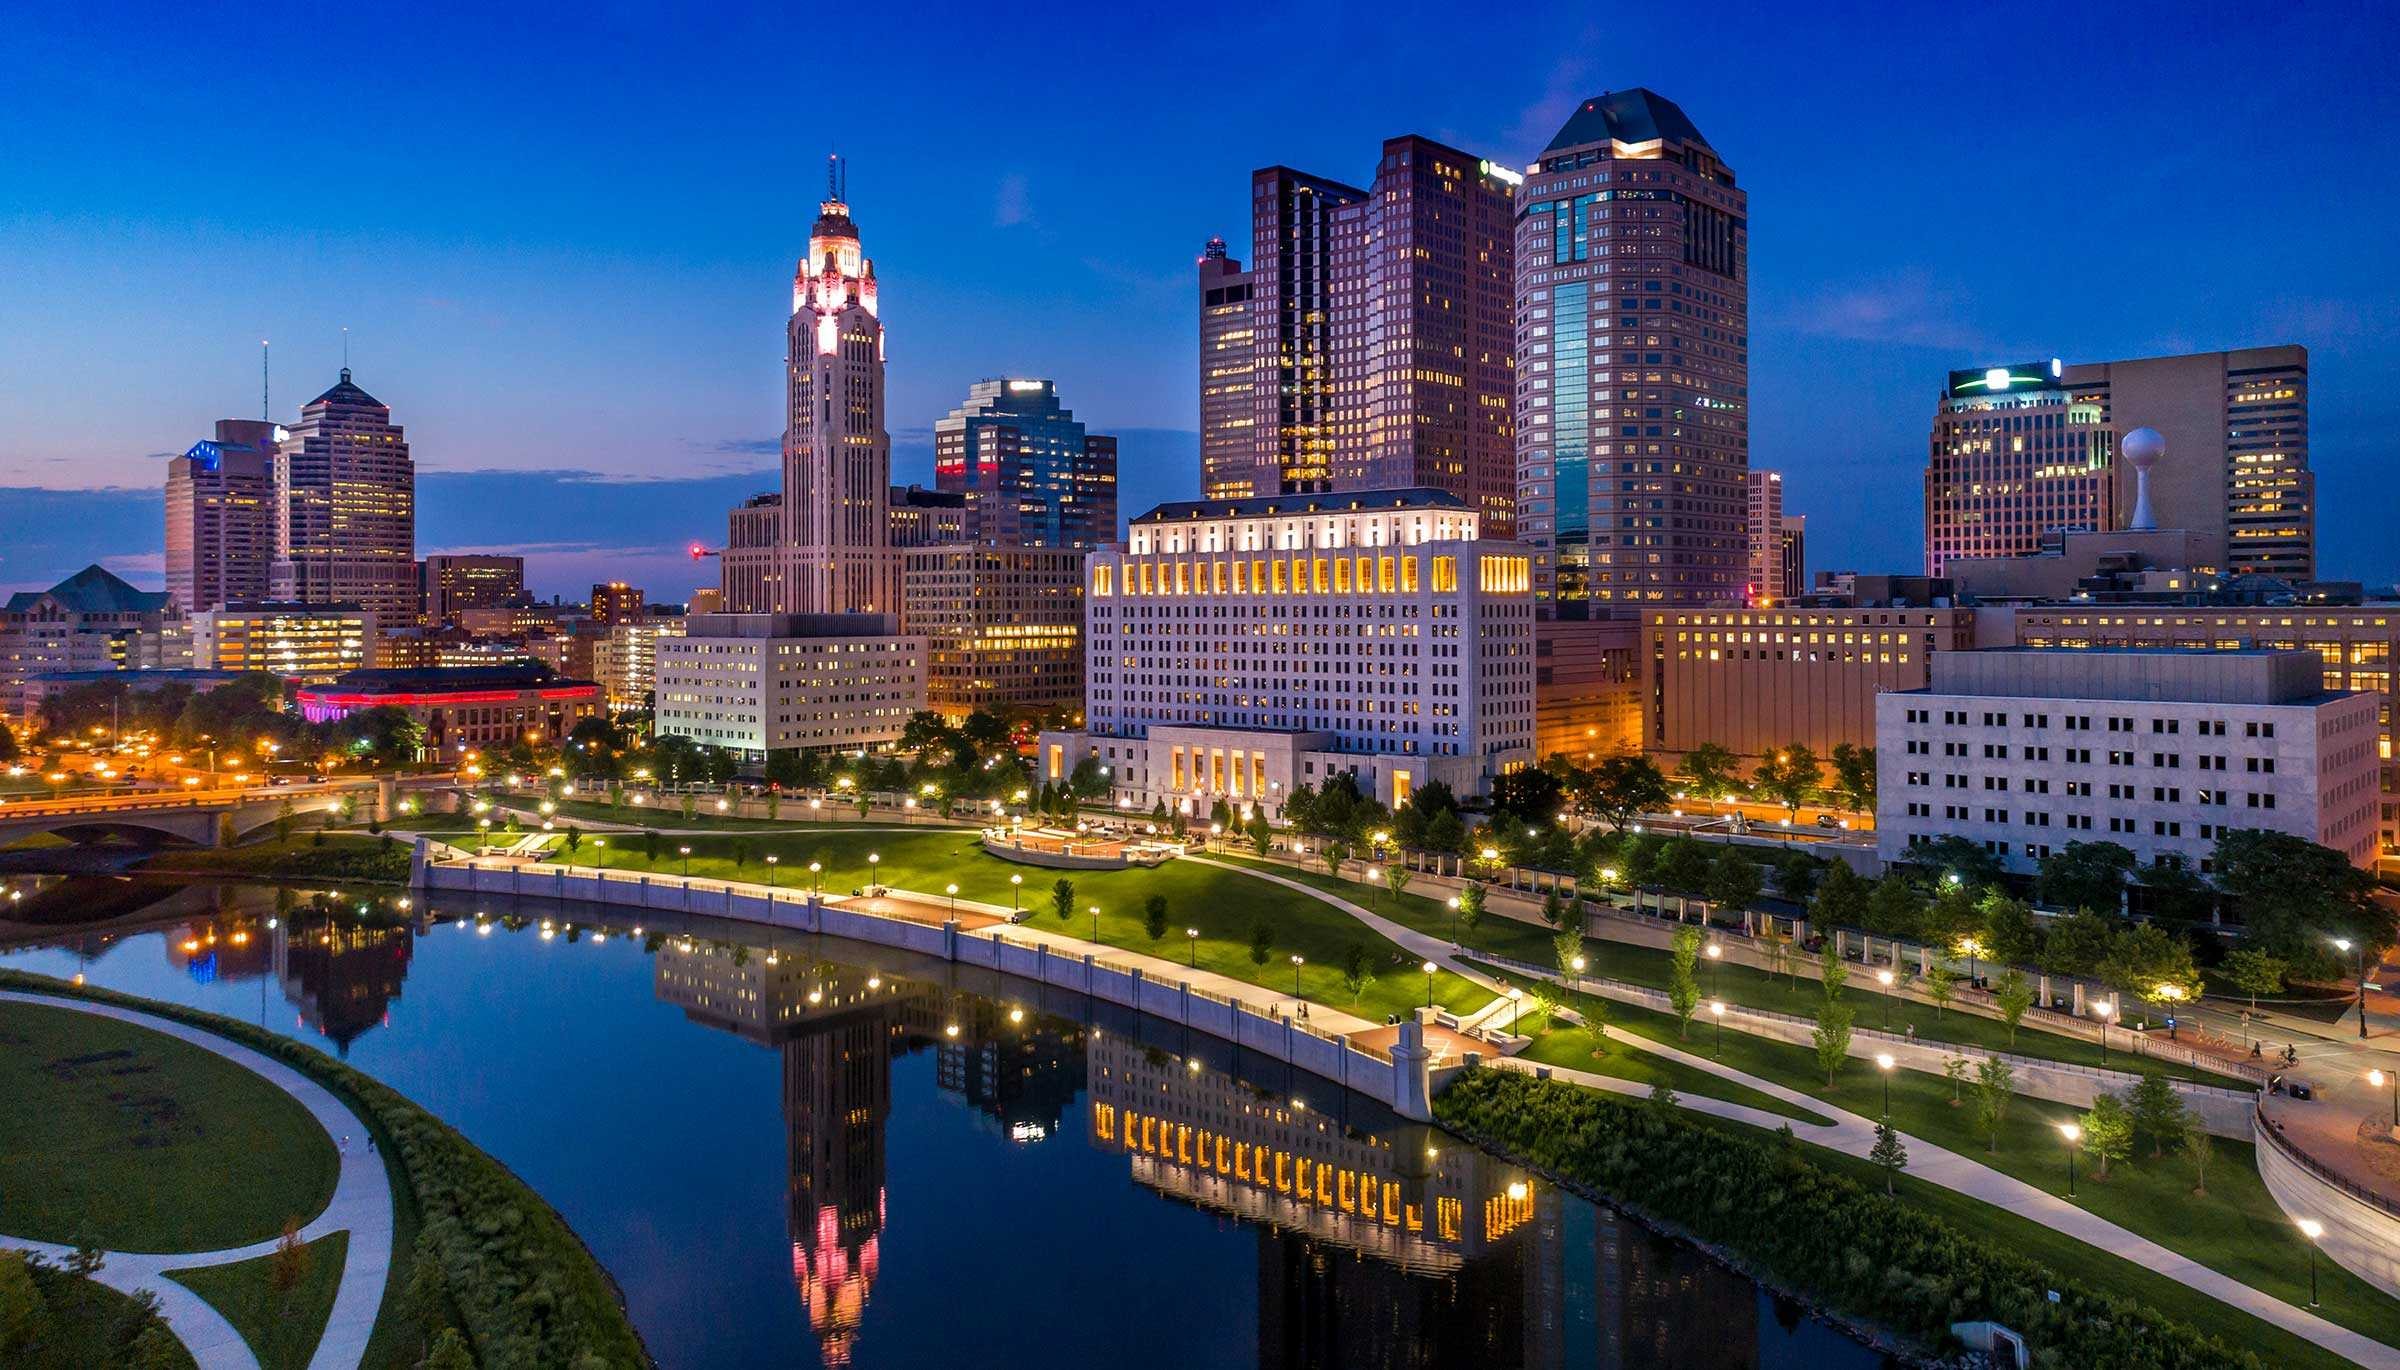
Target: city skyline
<point x="468" y="315"/>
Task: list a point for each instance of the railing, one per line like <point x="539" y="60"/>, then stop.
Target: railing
<point x="2283" y="1147"/>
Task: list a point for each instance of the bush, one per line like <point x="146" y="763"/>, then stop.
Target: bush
<point x="526" y="1289"/>
<point x="1819" y="1234"/>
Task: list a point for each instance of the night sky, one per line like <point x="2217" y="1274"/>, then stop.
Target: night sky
<point x="563" y="245"/>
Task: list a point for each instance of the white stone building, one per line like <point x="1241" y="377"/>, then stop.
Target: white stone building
<point x="2025" y="750"/>
<point x="1240" y="649"/>
<point x="757" y="683"/>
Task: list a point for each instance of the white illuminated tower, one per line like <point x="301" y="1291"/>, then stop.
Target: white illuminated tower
<point x="825" y="547"/>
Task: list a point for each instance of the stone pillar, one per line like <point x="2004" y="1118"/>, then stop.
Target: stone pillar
<point x="1924" y="959"/>
<point x="1841" y="944"/>
<point x="950" y="939"/>
<point x="1412" y="1087"/>
<point x="2041" y="987"/>
<point x="2078" y="994"/>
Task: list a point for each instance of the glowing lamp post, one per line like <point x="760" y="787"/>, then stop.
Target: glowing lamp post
<point x="1297" y="962"/>
<point x="1884" y="978"/>
<point x="1716" y="1010"/>
<point x="1716" y="953"/>
<point x="1884" y="1063"/>
<point x="686" y="853"/>
<point x="1429" y="970"/>
<point x="772" y="859"/>
<point x="1016" y="889"/>
<point x="2074" y="1136"/>
<point x="2312" y="1229"/>
<point x="1192" y="937"/>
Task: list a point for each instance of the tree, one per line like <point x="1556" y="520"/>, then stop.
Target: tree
<point x="1358" y="970"/>
<point x="1595" y="1024"/>
<point x="1954" y="1069"/>
<point x="155" y="1348"/>
<point x="1470" y="905"/>
<point x="2199" y="1148"/>
<point x="2293" y="895"/>
<point x="449" y="1352"/>
<point x="1396" y="876"/>
<point x="1154" y="916"/>
<point x="2010" y="935"/>
<point x="2107" y="1133"/>
<point x="1335" y="856"/>
<point x="1788" y="775"/>
<point x="1953" y="855"/>
<point x="1621" y="787"/>
<point x="650" y="845"/>
<point x="1995" y="1084"/>
<point x="1841" y="899"/>
<point x="2013" y="994"/>
<point x="1445" y="833"/>
<point x="2173" y="894"/>
<point x="2085" y="875"/>
<point x="1854" y="776"/>
<point x="1262" y="942"/>
<point x="1530" y="795"/>
<point x="1733" y="881"/>
<point x="1261" y="834"/>
<point x="1707" y="770"/>
<point x="1888" y="1154"/>
<point x="1567" y="948"/>
<point x="1554" y="906"/>
<point x="2078" y="942"/>
<point x="1832" y="1037"/>
<point x="1776" y="946"/>
<point x="1683" y="866"/>
<point x="1941" y="986"/>
<point x="1683" y="991"/>
<point x="1062" y="899"/>
<point x="1832" y="971"/>
<point x="24" y="1316"/>
<point x="924" y="731"/>
<point x="740" y="850"/>
<point x="2253" y="972"/>
<point x="2150" y="965"/>
<point x="1796" y="876"/>
<point x="572" y="842"/>
<point x="288" y="1266"/>
<point x="2159" y="1116"/>
<point x="1895" y="908"/>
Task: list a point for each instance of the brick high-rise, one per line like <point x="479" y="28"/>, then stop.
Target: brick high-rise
<point x="1379" y="334"/>
<point x="1633" y="362"/>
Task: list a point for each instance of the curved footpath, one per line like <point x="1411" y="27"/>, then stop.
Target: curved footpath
<point x="361" y="1206"/>
<point x="1853" y="1135"/>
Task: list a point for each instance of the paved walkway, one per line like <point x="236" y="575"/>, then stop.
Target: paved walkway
<point x="1853" y="1135"/>
<point x="361" y="1206"/>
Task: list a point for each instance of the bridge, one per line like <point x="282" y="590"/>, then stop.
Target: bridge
<point x="201" y="818"/>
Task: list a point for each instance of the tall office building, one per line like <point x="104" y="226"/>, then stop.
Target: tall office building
<point x="452" y="583"/>
<point x="1228" y="377"/>
<point x="221" y="516"/>
<point x="1633" y="352"/>
<point x="1766" y="536"/>
<point x="346" y="508"/>
<point x="1003" y="626"/>
<point x="1792" y="556"/>
<point x="2023" y="455"/>
<point x="615" y="601"/>
<point x="1031" y="475"/>
<point x="824" y="546"/>
<point x="1379" y="328"/>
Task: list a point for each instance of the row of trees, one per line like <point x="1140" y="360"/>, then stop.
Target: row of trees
<point x="1790" y="775"/>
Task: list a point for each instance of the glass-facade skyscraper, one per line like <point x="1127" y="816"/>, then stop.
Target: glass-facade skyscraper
<point x="1633" y="362"/>
<point x="1031" y="474"/>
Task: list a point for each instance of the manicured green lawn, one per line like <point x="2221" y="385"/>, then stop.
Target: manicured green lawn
<point x="282" y="1329"/>
<point x="340" y="856"/>
<point x="1224" y="905"/>
<point x="138" y="1142"/>
<point x="1743" y="985"/>
<point x="2236" y="1229"/>
<point x="664" y="814"/>
<point x="1572" y="1047"/>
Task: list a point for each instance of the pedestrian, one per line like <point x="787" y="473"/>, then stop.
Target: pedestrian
<point x="1912" y="1032"/>
<point x="345" y="1143"/>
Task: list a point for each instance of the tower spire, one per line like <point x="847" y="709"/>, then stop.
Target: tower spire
<point x="266" y="410"/>
<point x="833" y="189"/>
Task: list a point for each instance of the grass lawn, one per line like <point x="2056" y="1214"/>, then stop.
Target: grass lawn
<point x="84" y="1324"/>
<point x="2236" y="1229"/>
<point x="1743" y="985"/>
<point x="1564" y="1046"/>
<point x="139" y="1142"/>
<point x="665" y="814"/>
<point x="341" y="856"/>
<point x="282" y="1329"/>
<point x="1224" y="905"/>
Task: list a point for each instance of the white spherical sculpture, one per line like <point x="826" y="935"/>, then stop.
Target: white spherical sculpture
<point x="2142" y="448"/>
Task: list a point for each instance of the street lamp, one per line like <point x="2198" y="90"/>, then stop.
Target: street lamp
<point x="1016" y="889"/>
<point x="2376" y="1078"/>
<point x="772" y="858"/>
<point x="873" y="858"/>
<point x="2343" y="944"/>
<point x="1374" y="877"/>
<point x="1884" y="978"/>
<point x="1454" y="920"/>
<point x="1884" y="1063"/>
<point x="2172" y="994"/>
<point x="2312" y="1229"/>
<point x="952" y="891"/>
<point x="1095" y="912"/>
<point x="1973" y="949"/>
<point x="816" y="877"/>
<point x="1429" y="969"/>
<point x="1297" y="962"/>
<point x="600" y="852"/>
<point x="2101" y="1011"/>
<point x="1716" y="952"/>
<point x="1716" y="1010"/>
<point x="687" y="859"/>
<point x="1577" y="965"/>
<point x="1192" y="936"/>
<point x="2074" y="1136"/>
<point x="1516" y="998"/>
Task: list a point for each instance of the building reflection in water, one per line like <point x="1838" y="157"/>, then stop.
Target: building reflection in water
<point x="340" y="967"/>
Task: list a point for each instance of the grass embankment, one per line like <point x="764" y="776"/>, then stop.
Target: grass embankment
<point x="1746" y="986"/>
<point x="1224" y="905"/>
<point x="133" y="1141"/>
<point x="282" y="1326"/>
<point x="665" y="814"/>
<point x="59" y="1322"/>
<point x="380" y="859"/>
<point x="2236" y="1229"/>
<point x="473" y="1247"/>
<point x="1834" y="1241"/>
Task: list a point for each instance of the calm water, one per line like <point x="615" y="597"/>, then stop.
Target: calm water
<point x="816" y="1153"/>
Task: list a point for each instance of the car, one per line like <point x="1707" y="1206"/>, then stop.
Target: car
<point x="279" y="780"/>
<point x="1826" y="820"/>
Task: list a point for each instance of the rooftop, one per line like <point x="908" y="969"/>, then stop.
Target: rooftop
<point x="1637" y="115"/>
<point x="511" y="675"/>
<point x="347" y="395"/>
<point x="93" y="590"/>
<point x="1268" y="506"/>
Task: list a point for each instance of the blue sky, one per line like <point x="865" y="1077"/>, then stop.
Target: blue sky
<point x="563" y="243"/>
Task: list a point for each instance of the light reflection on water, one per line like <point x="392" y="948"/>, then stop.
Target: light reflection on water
<point x="799" y="1151"/>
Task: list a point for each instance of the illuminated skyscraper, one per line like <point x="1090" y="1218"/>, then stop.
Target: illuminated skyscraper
<point x="1031" y="475"/>
<point x="1228" y="377"/>
<point x="825" y="546"/>
<point x="346" y="508"/>
<point x="1766" y="576"/>
<point x="221" y="516"/>
<point x="1633" y="349"/>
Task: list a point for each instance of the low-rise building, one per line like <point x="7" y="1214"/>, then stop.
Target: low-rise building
<point x="1003" y="626"/>
<point x="757" y="683"/>
<point x="464" y="709"/>
<point x="306" y="642"/>
<point x="2025" y="750"/>
<point x="1241" y="649"/>
<point x="91" y="621"/>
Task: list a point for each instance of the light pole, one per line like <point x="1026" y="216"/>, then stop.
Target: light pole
<point x="1716" y="953"/>
<point x="1973" y="949"/>
<point x="1454" y="920"/>
<point x="2377" y="1078"/>
<point x="772" y="858"/>
<point x="952" y="891"/>
<point x="1016" y="893"/>
<point x="1095" y="911"/>
<point x="1884" y="978"/>
<point x="1430" y="968"/>
<point x="2101" y="1011"/>
<point x="687" y="859"/>
<point x="1576" y="965"/>
<point x="1192" y="937"/>
<point x="816" y="877"/>
<point x="2343" y="943"/>
<point x="2074" y="1136"/>
<point x="1374" y="878"/>
<point x="2173" y="994"/>
<point x="2312" y="1229"/>
<point x="1716" y="1010"/>
<point x="1516" y="999"/>
<point x="874" y="858"/>
<point x="1884" y="1063"/>
<point x="1297" y="962"/>
<point x="600" y="852"/>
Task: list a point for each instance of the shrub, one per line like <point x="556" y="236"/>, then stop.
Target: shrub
<point x="1818" y="1234"/>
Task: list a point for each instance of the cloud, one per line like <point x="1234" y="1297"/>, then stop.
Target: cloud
<point x="749" y="447"/>
<point x="1907" y="309"/>
<point x="542" y="549"/>
<point x="1013" y="205"/>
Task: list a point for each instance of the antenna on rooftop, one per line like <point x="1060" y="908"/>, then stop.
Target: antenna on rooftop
<point x="265" y="410"/>
<point x="345" y="349"/>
